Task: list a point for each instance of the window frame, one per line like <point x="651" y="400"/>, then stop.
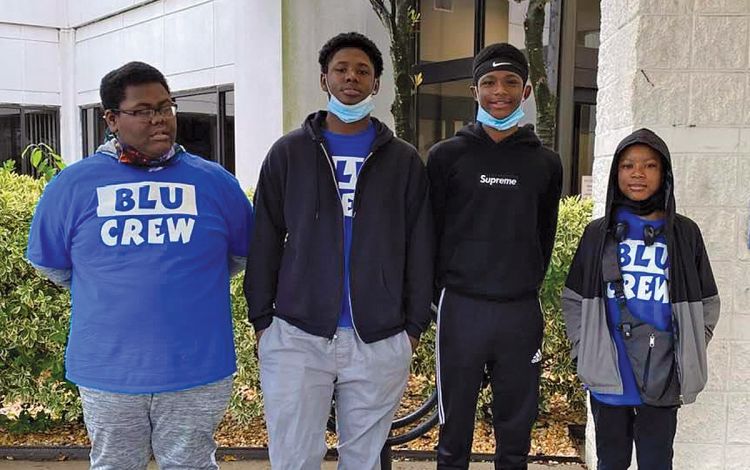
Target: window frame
<point x="25" y="165"/>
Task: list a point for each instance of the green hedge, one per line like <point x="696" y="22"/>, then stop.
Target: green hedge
<point x="34" y="321"/>
<point x="561" y="391"/>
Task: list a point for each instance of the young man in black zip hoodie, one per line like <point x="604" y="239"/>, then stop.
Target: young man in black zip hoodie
<point x="495" y="194"/>
<point x="339" y="286"/>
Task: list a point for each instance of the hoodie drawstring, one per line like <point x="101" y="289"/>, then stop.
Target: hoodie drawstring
<point x="317" y="187"/>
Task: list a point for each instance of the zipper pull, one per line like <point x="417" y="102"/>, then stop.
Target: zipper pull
<point x="651" y="340"/>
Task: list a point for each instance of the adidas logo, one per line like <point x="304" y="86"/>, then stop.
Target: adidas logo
<point x="537" y="357"/>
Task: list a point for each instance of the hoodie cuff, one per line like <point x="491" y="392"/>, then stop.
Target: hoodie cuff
<point x="413" y="330"/>
<point x="262" y="323"/>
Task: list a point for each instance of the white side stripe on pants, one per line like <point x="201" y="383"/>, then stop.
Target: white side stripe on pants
<point x="441" y="413"/>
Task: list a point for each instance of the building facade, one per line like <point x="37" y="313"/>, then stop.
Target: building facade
<point x="245" y="71"/>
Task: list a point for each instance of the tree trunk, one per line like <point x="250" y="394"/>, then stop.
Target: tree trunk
<point x="401" y="31"/>
<point x="546" y="101"/>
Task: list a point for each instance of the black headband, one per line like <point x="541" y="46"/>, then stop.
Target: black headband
<point x="500" y="63"/>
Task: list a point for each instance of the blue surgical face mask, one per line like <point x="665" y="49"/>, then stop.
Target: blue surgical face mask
<point x="501" y="124"/>
<point x="349" y="113"/>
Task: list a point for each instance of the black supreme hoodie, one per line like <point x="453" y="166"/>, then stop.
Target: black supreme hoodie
<point x="495" y="209"/>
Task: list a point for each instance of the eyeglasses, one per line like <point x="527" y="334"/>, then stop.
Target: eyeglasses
<point x="148" y="114"/>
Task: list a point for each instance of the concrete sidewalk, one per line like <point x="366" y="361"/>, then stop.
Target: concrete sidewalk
<point x="256" y="465"/>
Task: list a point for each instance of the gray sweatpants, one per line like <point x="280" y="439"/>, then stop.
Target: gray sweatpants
<point x="178" y="426"/>
<point x="299" y="375"/>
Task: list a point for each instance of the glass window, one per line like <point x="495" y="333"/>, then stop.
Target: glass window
<point x="588" y="19"/>
<point x="446" y="30"/>
<point x="93" y="129"/>
<point x="41" y="127"/>
<point x="496" y="21"/>
<point x="585" y="127"/>
<point x="20" y="126"/>
<point x="196" y="124"/>
<point x="10" y="136"/>
<point x="229" y="131"/>
<point x="444" y="108"/>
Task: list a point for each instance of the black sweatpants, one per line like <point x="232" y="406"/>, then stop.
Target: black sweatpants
<point x="504" y="337"/>
<point x="652" y="428"/>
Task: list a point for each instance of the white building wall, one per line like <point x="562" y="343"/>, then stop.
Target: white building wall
<point x="191" y="42"/>
<point x="31" y="55"/>
<point x="82" y="12"/>
<point x="45" y="13"/>
<point x="681" y="68"/>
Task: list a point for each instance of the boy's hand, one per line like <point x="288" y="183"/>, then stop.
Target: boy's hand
<point x="414" y="343"/>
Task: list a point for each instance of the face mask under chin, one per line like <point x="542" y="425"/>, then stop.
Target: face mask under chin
<point x="503" y="124"/>
<point x="350" y="113"/>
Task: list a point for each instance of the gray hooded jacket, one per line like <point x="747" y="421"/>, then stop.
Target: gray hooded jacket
<point x="692" y="292"/>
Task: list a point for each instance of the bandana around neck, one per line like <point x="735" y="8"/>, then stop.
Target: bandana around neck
<point x="127" y="154"/>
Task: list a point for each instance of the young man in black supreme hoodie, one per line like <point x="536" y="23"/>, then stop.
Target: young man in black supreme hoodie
<point x="340" y="284"/>
<point x="495" y="193"/>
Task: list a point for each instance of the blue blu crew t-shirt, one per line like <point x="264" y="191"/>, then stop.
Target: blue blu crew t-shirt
<point x="149" y="254"/>
<point x="644" y="272"/>
<point x="348" y="152"/>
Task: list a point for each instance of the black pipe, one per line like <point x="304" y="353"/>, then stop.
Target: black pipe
<point x="386" y="458"/>
<point x="414" y="433"/>
<point x="417" y="414"/>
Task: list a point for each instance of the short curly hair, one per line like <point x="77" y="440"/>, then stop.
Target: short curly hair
<point x="113" y="85"/>
<point x="355" y="40"/>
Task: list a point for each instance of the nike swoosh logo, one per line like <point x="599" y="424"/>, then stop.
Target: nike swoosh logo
<point x="498" y="64"/>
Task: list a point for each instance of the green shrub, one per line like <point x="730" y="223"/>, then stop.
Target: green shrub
<point x="246" y="402"/>
<point x="33" y="321"/>
<point x="34" y="316"/>
<point x="559" y="379"/>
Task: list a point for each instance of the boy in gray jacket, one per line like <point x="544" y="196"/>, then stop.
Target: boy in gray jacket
<point x="640" y="306"/>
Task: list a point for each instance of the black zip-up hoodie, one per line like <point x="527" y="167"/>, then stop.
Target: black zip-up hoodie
<point x="495" y="208"/>
<point x="296" y="266"/>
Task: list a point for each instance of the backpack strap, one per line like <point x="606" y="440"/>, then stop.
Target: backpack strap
<point x="611" y="275"/>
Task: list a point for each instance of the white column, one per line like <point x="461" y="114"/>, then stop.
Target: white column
<point x="70" y="122"/>
<point x="258" y="88"/>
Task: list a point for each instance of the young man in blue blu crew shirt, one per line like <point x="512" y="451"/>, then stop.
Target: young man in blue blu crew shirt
<point x="146" y="236"/>
<point x="339" y="280"/>
<point x="640" y="306"/>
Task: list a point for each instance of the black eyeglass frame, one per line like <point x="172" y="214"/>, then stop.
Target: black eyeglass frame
<point x="149" y="113"/>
